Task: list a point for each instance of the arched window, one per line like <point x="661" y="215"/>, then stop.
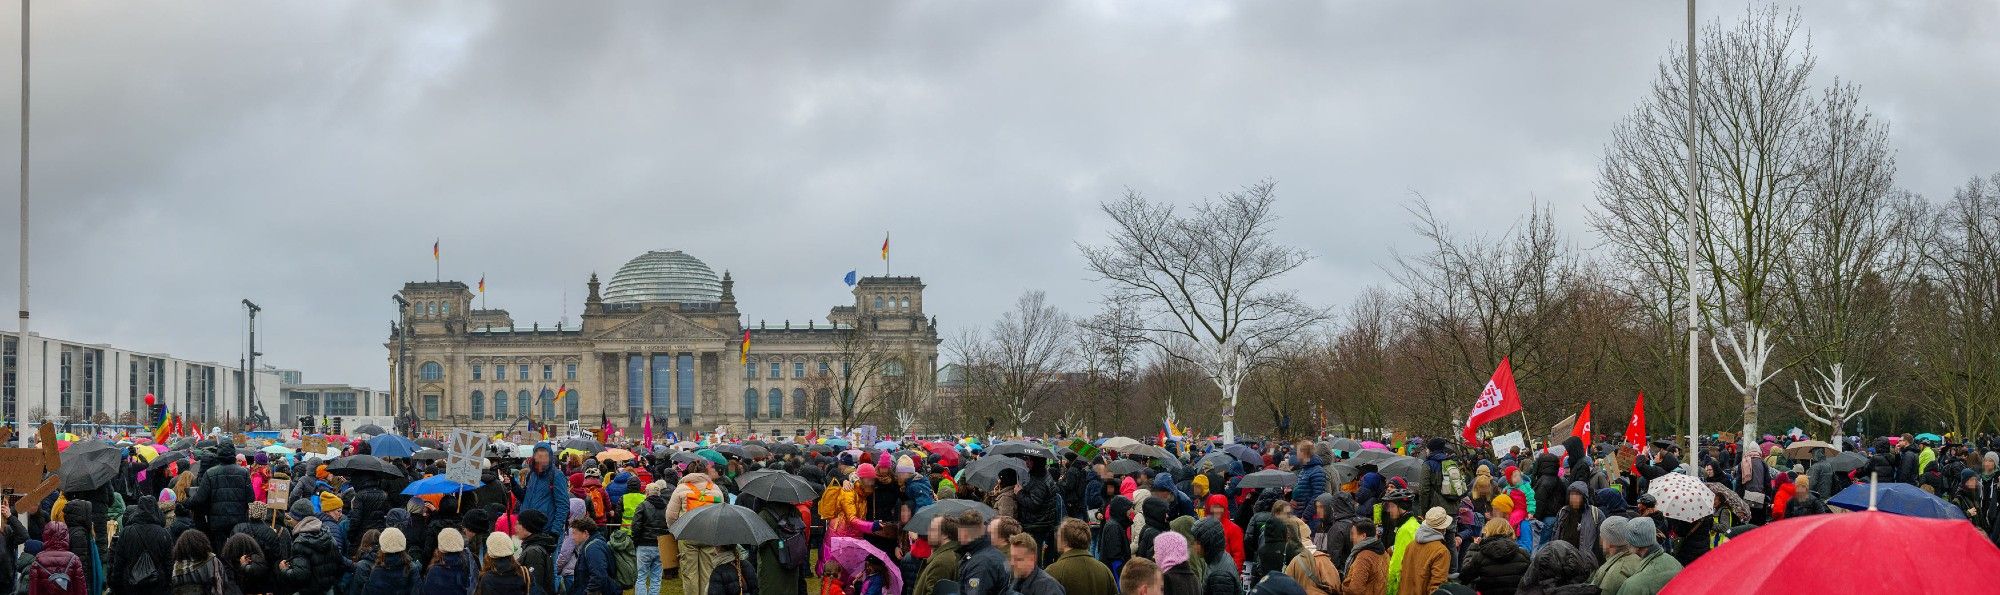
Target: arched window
<point x="571" y="405"/>
<point x="522" y="400"/>
<point x="750" y="403"/>
<point x="799" y="402"/>
<point x="430" y="371"/>
<point x="548" y="404"/>
<point x="500" y="405"/>
<point x="478" y="405"/>
<point x="878" y="302"/>
<point x="777" y="399"/>
<point x="823" y="401"/>
<point x="892" y="367"/>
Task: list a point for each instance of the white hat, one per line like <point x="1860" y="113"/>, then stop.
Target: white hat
<point x="450" y="541"/>
<point x="498" y="545"/>
<point x="392" y="541"/>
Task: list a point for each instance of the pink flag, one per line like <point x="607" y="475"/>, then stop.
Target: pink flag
<point x="646" y="436"/>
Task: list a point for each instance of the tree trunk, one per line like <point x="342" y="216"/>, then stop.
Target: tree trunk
<point x="1749" y="437"/>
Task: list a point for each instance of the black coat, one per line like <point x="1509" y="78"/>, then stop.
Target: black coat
<point x="315" y="560"/>
<point x="223" y="495"/>
<point x="1114" y="545"/>
<point x="649" y="522"/>
<point x="734" y="577"/>
<point x="538" y="553"/>
<point x="1494" y="567"/>
<point x="365" y="508"/>
<point x="1041" y="504"/>
<point x="983" y="571"/>
<point x="503" y="577"/>
<point x="1550" y="491"/>
<point x="140" y="535"/>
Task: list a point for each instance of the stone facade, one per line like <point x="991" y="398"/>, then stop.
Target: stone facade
<point x="681" y="363"/>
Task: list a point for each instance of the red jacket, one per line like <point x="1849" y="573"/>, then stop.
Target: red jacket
<point x="1230" y="531"/>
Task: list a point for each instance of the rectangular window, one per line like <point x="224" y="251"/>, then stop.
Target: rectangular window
<point x="825" y="369"/>
<point x="750" y="370"/>
<point x="478" y="371"/>
<point x="684" y="387"/>
<point x="524" y="372"/>
<point x="132" y="388"/>
<point x="305" y="402"/>
<point x="342" y="403"/>
<point x="635" y="382"/>
<point x="569" y="371"/>
<point x="431" y="404"/>
<point x="777" y="370"/>
<point x="93" y="397"/>
<point x="663" y="385"/>
<point x="68" y="391"/>
<point x="500" y="373"/>
<point x="8" y="361"/>
<point x="548" y="372"/>
<point x="798" y="369"/>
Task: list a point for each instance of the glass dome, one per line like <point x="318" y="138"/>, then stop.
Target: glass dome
<point x="664" y="276"/>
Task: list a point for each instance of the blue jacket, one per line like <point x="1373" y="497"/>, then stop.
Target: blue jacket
<point x="1312" y="483"/>
<point x="917" y="494"/>
<point x="395" y="575"/>
<point x="449" y="576"/>
<point x="593" y="571"/>
<point x="547" y="491"/>
<point x="1183" y="505"/>
<point x="616" y="488"/>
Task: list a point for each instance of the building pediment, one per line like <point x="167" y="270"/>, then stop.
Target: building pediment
<point x="660" y="324"/>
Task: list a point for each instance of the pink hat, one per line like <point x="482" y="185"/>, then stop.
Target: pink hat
<point x="885" y="461"/>
<point x="866" y="471"/>
<point x="1170" y="549"/>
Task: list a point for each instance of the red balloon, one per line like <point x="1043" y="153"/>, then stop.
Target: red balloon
<point x="149" y="398"/>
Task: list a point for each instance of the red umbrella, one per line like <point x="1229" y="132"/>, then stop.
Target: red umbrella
<point x="1824" y="553"/>
<point x="944" y="452"/>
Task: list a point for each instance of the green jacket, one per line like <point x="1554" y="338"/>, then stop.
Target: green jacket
<point x="943" y="565"/>
<point x="1613" y="573"/>
<point x="1081" y="574"/>
<point x="772" y="578"/>
<point x="1652" y="575"/>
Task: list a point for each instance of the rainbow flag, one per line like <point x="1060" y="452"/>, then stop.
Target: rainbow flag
<point x="166" y="427"/>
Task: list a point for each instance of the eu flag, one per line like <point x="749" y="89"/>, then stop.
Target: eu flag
<point x="849" y="278"/>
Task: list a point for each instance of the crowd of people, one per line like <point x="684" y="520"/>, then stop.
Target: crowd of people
<point x="964" y="516"/>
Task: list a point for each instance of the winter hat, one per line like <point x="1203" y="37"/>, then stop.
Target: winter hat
<point x="1200" y="485"/>
<point x="302" y="508"/>
<point x="1511" y="470"/>
<point x="1127" y="486"/>
<point x="867" y="470"/>
<point x="498" y="545"/>
<point x="658" y="487"/>
<point x="904" y="465"/>
<point x="451" y="541"/>
<point x="1640" y="533"/>
<point x="1992" y="457"/>
<point x="392" y="541"/>
<point x="593" y="472"/>
<point x="262" y="459"/>
<point x="34" y="546"/>
<point x="166" y="499"/>
<point x="1437" y="520"/>
<point x="1502" y="505"/>
<point x="884" y="461"/>
<point x="1612" y="531"/>
<point x="478" y="520"/>
<point x="259" y="511"/>
<point x="1170" y="549"/>
<point x="504" y="524"/>
<point x="534" y="520"/>
<point x="328" y="502"/>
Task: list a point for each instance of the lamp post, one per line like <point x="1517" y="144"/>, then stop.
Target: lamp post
<point x="403" y="351"/>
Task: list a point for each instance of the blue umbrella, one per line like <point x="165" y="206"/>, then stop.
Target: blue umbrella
<point x="1929" y="437"/>
<point x="836" y="443"/>
<point x="436" y="484"/>
<point x="886" y="445"/>
<point x="391" y="445"/>
<point x="1897" y="498"/>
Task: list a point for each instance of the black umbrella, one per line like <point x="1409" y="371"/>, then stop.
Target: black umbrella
<point x="733" y="450"/>
<point x="1245" y="454"/>
<point x="786" y="448"/>
<point x="88" y="465"/>
<point x="1153" y="452"/>
<point x="1340" y="473"/>
<point x="821" y="448"/>
<point x="1345" y="444"/>
<point x="754" y="442"/>
<point x="749" y="475"/>
<point x="168" y="458"/>
<point x="1217" y="459"/>
<point x="586" y="445"/>
<point x="1842" y="463"/>
<point x="921" y="521"/>
<point x="985" y="472"/>
<point x="1268" y="479"/>
<point x="430" y="443"/>
<point x="779" y="487"/>
<point x="1125" y="467"/>
<point x="1022" y="449"/>
<point x="351" y="464"/>
<point x="429" y="454"/>
<point x="1371" y="456"/>
<point x="370" y="429"/>
<point x="756" y="452"/>
<point x="723" y="524"/>
<point x="1411" y="469"/>
<point x="682" y="456"/>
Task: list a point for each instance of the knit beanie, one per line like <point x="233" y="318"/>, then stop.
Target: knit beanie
<point x="328" y="502"/>
<point x="1612" y="531"/>
<point x="498" y="545"/>
<point x="1170" y="549"/>
<point x="1200" y="485"/>
<point x="534" y="520"/>
<point x="658" y="487"/>
<point x="905" y="465"/>
<point x="1640" y="533"/>
<point x="392" y="541"/>
<point x="259" y="511"/>
<point x="451" y="541"/>
<point x="1502" y="505"/>
<point x="866" y="471"/>
<point x="302" y="508"/>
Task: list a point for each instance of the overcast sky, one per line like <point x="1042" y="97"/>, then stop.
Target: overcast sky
<point x="306" y="154"/>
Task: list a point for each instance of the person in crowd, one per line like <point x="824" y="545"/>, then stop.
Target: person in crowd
<point x="1426" y="558"/>
<point x="196" y="570"/>
<point x="1140" y="577"/>
<point x="1577" y="522"/>
<point x="1114" y="537"/>
<point x="734" y="576"/>
<point x="244" y="565"/>
<point x="593" y="561"/>
<point x="1177" y="571"/>
<point x="1308" y="464"/>
<point x="1217" y="507"/>
<point x="545" y="488"/>
<point x="1804" y="501"/>
<point x="314" y="563"/>
<point x="393" y="570"/>
<point x="648" y="522"/>
<point x="449" y="573"/>
<point x="1153" y="512"/>
<point x="501" y="574"/>
<point x="1313" y="569"/>
<point x="56" y="570"/>
<point x="1041" y="507"/>
<point x="140" y="556"/>
<point x="1619" y="563"/>
<point x="1367" y="569"/>
<point x="1023" y="556"/>
<point x="1339" y="512"/>
<point x="223" y="494"/>
<point x="1558" y="568"/>
<point x="538" y="550"/>
<point x="982" y="568"/>
<point x="1219" y="570"/>
<point x="694" y="491"/>
<point x="943" y="563"/>
<point x="1495" y="564"/>
<point x="1074" y="568"/>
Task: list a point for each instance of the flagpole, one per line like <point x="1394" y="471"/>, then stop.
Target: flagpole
<point x="1694" y="331"/>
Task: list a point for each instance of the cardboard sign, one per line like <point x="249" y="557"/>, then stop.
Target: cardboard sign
<point x="312" y="445"/>
<point x="1083" y="449"/>
<point x="1508" y="441"/>
<point x="278" y="490"/>
<point x="241" y="440"/>
<point x="20" y="468"/>
<point x="463" y="460"/>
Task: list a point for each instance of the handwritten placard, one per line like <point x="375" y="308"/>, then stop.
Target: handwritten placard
<point x="463" y="460"/>
<point x="1504" y="443"/>
<point x="313" y="445"/>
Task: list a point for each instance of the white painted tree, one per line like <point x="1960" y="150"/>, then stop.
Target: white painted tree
<point x="906" y="421"/>
<point x="1832" y="400"/>
<point x="1205" y="277"/>
<point x="1748" y="367"/>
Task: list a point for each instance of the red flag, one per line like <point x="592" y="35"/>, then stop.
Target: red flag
<point x="646" y="436"/>
<point x="1582" y="428"/>
<point x="1499" y="399"/>
<point x="1635" y="429"/>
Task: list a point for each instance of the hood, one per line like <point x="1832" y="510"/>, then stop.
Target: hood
<point x="309" y="525"/>
<point x="55" y="536"/>
<point x="575" y="507"/>
<point x="79" y="511"/>
<point x="1121" y="509"/>
<point x="1209" y="534"/>
<point x="1216" y="500"/>
<point x="1559" y="563"/>
<point x="1581" y="489"/>
<point x="1497" y="550"/>
<point x="1425" y="534"/>
<point x="1546" y="464"/>
<point x="1611" y="501"/>
<point x="140" y="515"/>
<point x="1163" y="482"/>
<point x="397" y="518"/>
<point x="546" y="540"/>
<point x="657" y="499"/>
<point x="1154" y="510"/>
<point x="695" y="481"/>
<point x="226" y="452"/>
<point x="1574" y="449"/>
<point x="1340" y="504"/>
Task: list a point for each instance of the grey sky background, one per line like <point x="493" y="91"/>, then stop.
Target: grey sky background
<point x="306" y="154"/>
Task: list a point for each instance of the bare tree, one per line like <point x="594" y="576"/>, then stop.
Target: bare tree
<point x="1206" y="277"/>
<point x="1108" y="350"/>
<point x="1018" y="366"/>
<point x="1953" y="313"/>
<point x="1832" y="402"/>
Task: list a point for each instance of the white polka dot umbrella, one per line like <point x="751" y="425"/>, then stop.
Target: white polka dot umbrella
<point x="1681" y="497"/>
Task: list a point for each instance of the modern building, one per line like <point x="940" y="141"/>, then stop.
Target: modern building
<point x="71" y="382"/>
<point x="665" y="340"/>
<point x="336" y="407"/>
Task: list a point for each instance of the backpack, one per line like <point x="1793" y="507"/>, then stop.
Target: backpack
<point x="1454" y="479"/>
<point x="794" y="549"/>
<point x="696" y="498"/>
<point x="597" y="505"/>
<point x="624" y="563"/>
<point x="55" y="577"/>
<point x="920" y="495"/>
<point x="142" y="573"/>
<point x="1274" y="547"/>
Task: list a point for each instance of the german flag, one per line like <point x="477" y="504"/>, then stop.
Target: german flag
<point x="745" y="357"/>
